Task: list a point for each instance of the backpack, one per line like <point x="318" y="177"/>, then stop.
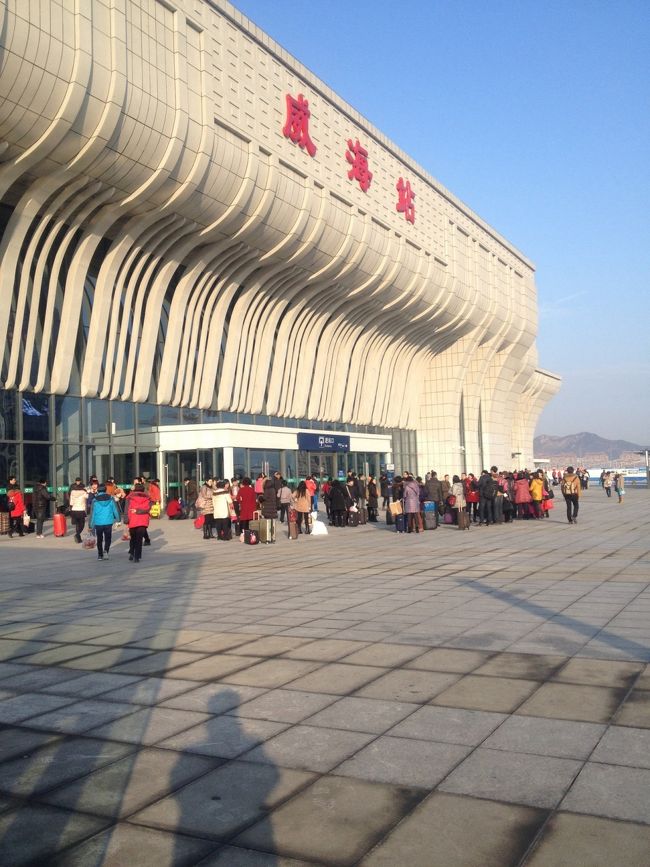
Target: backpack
<point x="567" y="484"/>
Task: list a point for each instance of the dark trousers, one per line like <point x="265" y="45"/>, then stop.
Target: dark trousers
<point x="16" y="526"/>
<point x="537" y="507"/>
<point x="300" y="517"/>
<point x="339" y="517"/>
<point x="40" y="518"/>
<point x="486" y="510"/>
<point x="208" y="524"/>
<point x="190" y="510"/>
<point x="284" y="512"/>
<point x="608" y="491"/>
<point x="79" y="521"/>
<point x="498" y="510"/>
<point x="572" y="506"/>
<point x="135" y="546"/>
<point x="104" y="533"/>
<point x="223" y="529"/>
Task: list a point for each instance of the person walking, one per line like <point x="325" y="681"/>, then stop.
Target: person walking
<point x="302" y="501"/>
<point x="78" y="499"/>
<point x="536" y="488"/>
<point x="137" y="509"/>
<point x="191" y="493"/>
<point x="619" y="486"/>
<point x="16" y="510"/>
<point x="103" y="514"/>
<point x="571" y="492"/>
<point x="41" y="499"/>
<point x="606" y="482"/>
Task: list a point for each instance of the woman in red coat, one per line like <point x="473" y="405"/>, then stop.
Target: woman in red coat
<point x="247" y="503"/>
<point x="137" y="512"/>
<point x="16" y="510"/>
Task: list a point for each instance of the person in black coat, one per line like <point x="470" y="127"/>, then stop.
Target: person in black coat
<point x="41" y="499"/>
<point x="338" y="497"/>
<point x="268" y="500"/>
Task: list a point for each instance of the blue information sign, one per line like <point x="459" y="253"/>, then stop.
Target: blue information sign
<point x="323" y="442"/>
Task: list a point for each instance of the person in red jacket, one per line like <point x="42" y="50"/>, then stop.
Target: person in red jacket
<point x="247" y="503"/>
<point x="137" y="514"/>
<point x="174" y="510"/>
<point x="16" y="510"/>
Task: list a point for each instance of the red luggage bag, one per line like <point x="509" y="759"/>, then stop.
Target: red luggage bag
<point x="60" y="524"/>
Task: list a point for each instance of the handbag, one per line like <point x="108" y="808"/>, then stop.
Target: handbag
<point x="451" y="500"/>
<point x="396" y="508"/>
<point x="89" y="541"/>
<point x="26" y="519"/>
<point x="199" y="521"/>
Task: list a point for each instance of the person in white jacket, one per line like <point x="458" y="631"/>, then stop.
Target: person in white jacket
<point x="223" y="510"/>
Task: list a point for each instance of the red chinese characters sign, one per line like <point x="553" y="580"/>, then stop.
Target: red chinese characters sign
<point x="405" y="197"/>
<point x="296" y="128"/>
<point x="357" y="156"/>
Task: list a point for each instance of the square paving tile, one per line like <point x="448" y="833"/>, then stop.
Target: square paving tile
<point x="130" y="783"/>
<point x="168" y="639"/>
<point x="80" y="716"/>
<point x="271" y="645"/>
<point x="362" y="715"/>
<point x="224" y="800"/>
<point x="384" y="655"/>
<point x="33" y="679"/>
<point x="635" y="711"/>
<point x="150" y="690"/>
<point x="476" y="692"/>
<point x="214" y="698"/>
<point x="219" y="642"/>
<point x="436" y="834"/>
<point x="20" y="845"/>
<point x="148" y="725"/>
<point x="29" y="704"/>
<point x="546" y="737"/>
<point x="449" y="725"/>
<point x="57" y="763"/>
<point x="336" y="820"/>
<point x="224" y="736"/>
<point x="214" y="667"/>
<point x="57" y="654"/>
<point x="105" y="658"/>
<point x="19" y="742"/>
<point x="284" y="705"/>
<point x="404" y="761"/>
<point x="449" y="659"/>
<point x="530" y="666"/>
<point x="538" y="781"/>
<point x="238" y="856"/>
<point x="337" y="678"/>
<point x="611" y="790"/>
<point x="624" y="746"/>
<point x="570" y="839"/>
<point x="309" y="748"/>
<point x="325" y="650"/>
<point x="569" y="701"/>
<point x="130" y="845"/>
<point x="644" y="680"/>
<point x="23" y="649"/>
<point x="272" y="673"/>
<point x="155" y="663"/>
<point x="408" y="685"/>
<point x="599" y="672"/>
<point x="90" y="685"/>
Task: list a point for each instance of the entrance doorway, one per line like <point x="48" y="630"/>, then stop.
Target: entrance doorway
<point x="197" y="464"/>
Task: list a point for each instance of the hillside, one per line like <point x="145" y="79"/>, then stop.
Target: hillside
<point x="586" y="449"/>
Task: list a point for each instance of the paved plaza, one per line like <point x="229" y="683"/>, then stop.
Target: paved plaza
<point x="450" y="699"/>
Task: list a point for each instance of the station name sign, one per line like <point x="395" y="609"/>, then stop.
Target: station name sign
<point x="323" y="442"/>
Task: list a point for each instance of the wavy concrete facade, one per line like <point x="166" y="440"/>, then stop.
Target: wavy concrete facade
<point x="168" y="243"/>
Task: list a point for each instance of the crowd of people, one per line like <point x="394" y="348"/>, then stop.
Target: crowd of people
<point x="225" y="509"/>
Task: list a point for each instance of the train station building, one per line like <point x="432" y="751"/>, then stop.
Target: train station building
<point x="211" y="264"/>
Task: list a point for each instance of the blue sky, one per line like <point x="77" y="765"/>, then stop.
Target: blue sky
<point x="537" y="115"/>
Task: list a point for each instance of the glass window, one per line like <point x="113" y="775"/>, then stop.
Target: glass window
<point x="147" y="464"/>
<point x="229" y="417"/>
<point x="8" y="462"/>
<point x="256" y="462"/>
<point x="122" y="417"/>
<point x="191" y="416"/>
<point x="303" y="423"/>
<point x="211" y="416"/>
<point x="170" y="415"/>
<point x="67" y="418"/>
<point x="97" y="420"/>
<point x="67" y="465"/>
<point x="147" y="416"/>
<point x="8" y="415"/>
<point x="36" y="416"/>
<point x="245" y="418"/>
<point x="36" y="463"/>
<point x="239" y="461"/>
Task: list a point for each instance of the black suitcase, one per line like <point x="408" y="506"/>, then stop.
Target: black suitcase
<point x="353" y="519"/>
<point x="389" y="518"/>
<point x="430" y="521"/>
<point x="400" y="523"/>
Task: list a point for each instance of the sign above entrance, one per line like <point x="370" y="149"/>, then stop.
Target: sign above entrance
<point x="323" y="442"/>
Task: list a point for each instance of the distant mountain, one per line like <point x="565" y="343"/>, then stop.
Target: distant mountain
<point x="585" y="448"/>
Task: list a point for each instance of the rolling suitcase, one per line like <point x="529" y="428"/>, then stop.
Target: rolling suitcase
<point x="400" y="523"/>
<point x="430" y="522"/>
<point x="389" y="518"/>
<point x="363" y="516"/>
<point x="293" y="530"/>
<point x="60" y="527"/>
<point x="353" y="519"/>
<point x="4" y="523"/>
<point x="463" y="520"/>
<point x="266" y="531"/>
